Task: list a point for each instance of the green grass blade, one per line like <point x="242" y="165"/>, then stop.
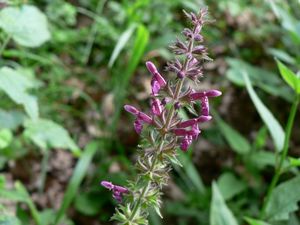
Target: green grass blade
<point x="140" y="43"/>
<point x="125" y="36"/>
<point x="77" y="177"/>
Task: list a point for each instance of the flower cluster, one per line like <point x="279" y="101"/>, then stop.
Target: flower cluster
<point x="164" y="130"/>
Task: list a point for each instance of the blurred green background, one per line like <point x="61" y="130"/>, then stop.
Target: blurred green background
<point x="73" y="64"/>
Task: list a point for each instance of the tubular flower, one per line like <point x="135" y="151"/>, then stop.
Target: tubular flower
<point x="141" y="118"/>
<point x="118" y="191"/>
<point x="157" y="81"/>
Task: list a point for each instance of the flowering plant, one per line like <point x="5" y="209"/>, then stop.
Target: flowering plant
<point x="163" y="130"/>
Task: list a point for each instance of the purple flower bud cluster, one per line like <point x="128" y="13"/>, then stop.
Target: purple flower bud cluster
<point x="118" y="191"/>
<point x="189" y="68"/>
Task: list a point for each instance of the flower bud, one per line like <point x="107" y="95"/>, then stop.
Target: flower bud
<point x="131" y="109"/>
<point x="107" y="184"/>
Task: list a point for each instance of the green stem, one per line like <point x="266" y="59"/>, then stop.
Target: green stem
<point x="44" y="170"/>
<point x="285" y="149"/>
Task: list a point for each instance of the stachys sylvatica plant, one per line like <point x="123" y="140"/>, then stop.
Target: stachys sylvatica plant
<point x="162" y="129"/>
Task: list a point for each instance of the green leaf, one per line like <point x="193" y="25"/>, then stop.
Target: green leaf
<point x="255" y="222"/>
<point x="282" y="55"/>
<point x="11" y="119"/>
<point x="125" y="36"/>
<point x="47" y="134"/>
<point x="16" y="86"/>
<point x="27" y="25"/>
<point x="139" y="47"/>
<point x="77" y="177"/>
<point x="264" y="79"/>
<point x="5" y="138"/>
<point x="294" y="161"/>
<point x="272" y="124"/>
<point x="230" y="186"/>
<point x="284" y="200"/>
<point x="236" y="141"/>
<point x="220" y="214"/>
<point x="191" y="172"/>
<point x="289" y="76"/>
<point x="9" y="220"/>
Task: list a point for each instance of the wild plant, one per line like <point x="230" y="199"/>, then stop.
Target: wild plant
<point x="163" y="131"/>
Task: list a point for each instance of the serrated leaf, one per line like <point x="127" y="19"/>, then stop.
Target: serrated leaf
<point x="47" y="134"/>
<point x="5" y="138"/>
<point x="220" y="214"/>
<point x="230" y="186"/>
<point x="289" y="76"/>
<point x="16" y="86"/>
<point x="284" y="200"/>
<point x="26" y="24"/>
<point x="272" y="124"/>
<point x="237" y="142"/>
<point x="255" y="222"/>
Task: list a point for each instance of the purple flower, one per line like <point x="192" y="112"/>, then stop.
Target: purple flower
<point x="185" y="143"/>
<point x="138" y="126"/>
<point x="156" y="107"/>
<point x="198" y="95"/>
<point x="118" y="191"/>
<point x="157" y="81"/>
<point x="203" y="97"/>
<point x="194" y="121"/>
<point x="141" y="118"/>
<point x="204" y="106"/>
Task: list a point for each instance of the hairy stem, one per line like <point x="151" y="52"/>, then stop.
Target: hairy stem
<point x="278" y="169"/>
<point x="167" y="125"/>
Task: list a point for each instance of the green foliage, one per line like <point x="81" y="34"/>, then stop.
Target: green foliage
<point x="255" y="222"/>
<point x="27" y="25"/>
<point x="283" y="200"/>
<point x="237" y="142"/>
<point x="290" y="78"/>
<point x="5" y="138"/>
<point x="230" y="186"/>
<point x="91" y="50"/>
<point x="47" y="134"/>
<point x="76" y="179"/>
<point x="270" y="121"/>
<point x="16" y="85"/>
<point x="220" y="214"/>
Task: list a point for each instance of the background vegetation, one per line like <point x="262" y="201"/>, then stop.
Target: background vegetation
<point x="66" y="69"/>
